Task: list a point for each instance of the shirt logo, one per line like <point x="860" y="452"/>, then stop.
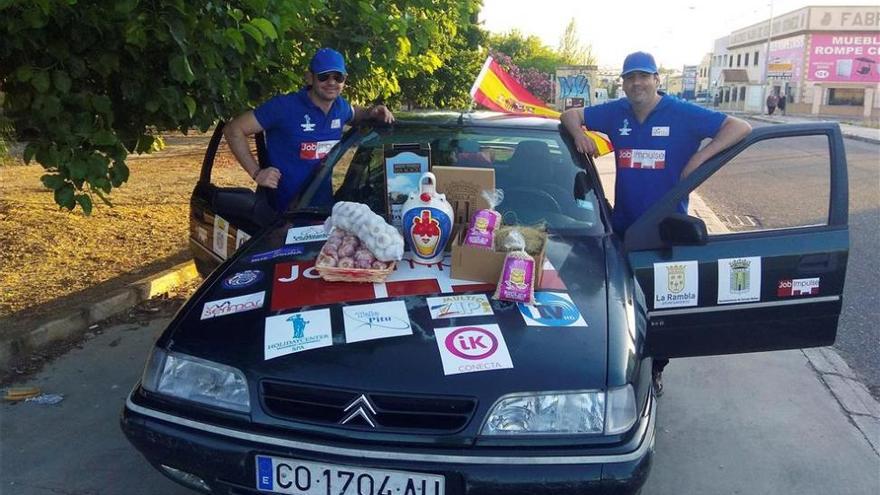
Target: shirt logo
<point x="315" y="150"/>
<point x="307" y="126"/>
<point x="660" y="131"/>
<point x="335" y="124"/>
<point x="651" y="159"/>
<point x="624" y="131"/>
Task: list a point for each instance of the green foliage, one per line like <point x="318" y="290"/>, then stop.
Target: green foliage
<point x="87" y="83"/>
<point x="572" y="50"/>
<point x="527" y="52"/>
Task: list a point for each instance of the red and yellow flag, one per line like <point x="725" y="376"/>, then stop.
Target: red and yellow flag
<point x="496" y="90"/>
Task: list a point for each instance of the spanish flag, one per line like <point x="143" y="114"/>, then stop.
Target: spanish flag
<point x="496" y="90"/>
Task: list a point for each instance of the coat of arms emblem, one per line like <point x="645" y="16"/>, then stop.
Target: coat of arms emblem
<point x="739" y="276"/>
<point x="675" y="278"/>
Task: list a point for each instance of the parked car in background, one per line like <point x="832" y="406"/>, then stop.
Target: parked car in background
<point x="270" y="379"/>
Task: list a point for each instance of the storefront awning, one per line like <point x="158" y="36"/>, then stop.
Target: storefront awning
<point x="735" y="76"/>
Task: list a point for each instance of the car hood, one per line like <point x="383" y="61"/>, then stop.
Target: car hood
<point x="555" y="350"/>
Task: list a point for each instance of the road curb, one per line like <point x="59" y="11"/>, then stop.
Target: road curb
<point x="77" y="321"/>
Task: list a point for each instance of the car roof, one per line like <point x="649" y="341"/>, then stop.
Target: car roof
<point x="475" y="119"/>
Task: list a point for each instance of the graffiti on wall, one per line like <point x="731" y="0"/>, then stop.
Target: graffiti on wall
<point x="574" y="90"/>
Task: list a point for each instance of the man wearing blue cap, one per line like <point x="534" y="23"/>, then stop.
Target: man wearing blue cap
<point x="656" y="141"/>
<point x="300" y="129"/>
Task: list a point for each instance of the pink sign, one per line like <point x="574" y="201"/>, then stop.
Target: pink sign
<point x="850" y="57"/>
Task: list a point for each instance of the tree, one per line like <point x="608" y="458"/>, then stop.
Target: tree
<point x="87" y="83"/>
<point x="572" y="51"/>
<point x="526" y="51"/>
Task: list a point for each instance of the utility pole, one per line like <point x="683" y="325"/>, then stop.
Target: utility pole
<point x="766" y="85"/>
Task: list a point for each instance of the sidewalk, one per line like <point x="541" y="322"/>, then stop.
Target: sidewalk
<point x="860" y="133"/>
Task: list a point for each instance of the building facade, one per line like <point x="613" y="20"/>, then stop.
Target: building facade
<point x="823" y="60"/>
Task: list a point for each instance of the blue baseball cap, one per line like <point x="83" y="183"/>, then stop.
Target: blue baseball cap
<point x="327" y="60"/>
<point x="639" y="61"/>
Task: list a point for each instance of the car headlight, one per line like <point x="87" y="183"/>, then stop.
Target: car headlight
<point x="197" y="380"/>
<point x="547" y="413"/>
<point x="543" y="413"/>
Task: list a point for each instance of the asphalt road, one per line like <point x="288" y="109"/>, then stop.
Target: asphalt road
<point x="782" y="186"/>
<point x="748" y="424"/>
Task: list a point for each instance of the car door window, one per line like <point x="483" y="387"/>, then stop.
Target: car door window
<point x="773" y="184"/>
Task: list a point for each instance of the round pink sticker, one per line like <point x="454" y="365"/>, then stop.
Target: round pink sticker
<point x="471" y="343"/>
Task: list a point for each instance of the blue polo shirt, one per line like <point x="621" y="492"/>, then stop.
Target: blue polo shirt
<point x="298" y="136"/>
<point x="650" y="156"/>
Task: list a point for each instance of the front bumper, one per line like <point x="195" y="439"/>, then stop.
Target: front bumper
<point x="225" y="458"/>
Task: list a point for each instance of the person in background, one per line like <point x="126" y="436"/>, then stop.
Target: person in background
<point x="656" y="140"/>
<point x="781" y="104"/>
<point x="300" y="129"/>
<point x="772" y="100"/>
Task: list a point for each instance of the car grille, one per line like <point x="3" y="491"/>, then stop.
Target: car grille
<point x="393" y="412"/>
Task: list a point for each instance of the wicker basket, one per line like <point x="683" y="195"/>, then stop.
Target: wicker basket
<point x="336" y="274"/>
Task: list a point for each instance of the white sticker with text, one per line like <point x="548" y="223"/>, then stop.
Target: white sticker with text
<point x="676" y="284"/>
<point x="459" y="306"/>
<point x="660" y="131"/>
<point x="472" y="348"/>
<point x="376" y="321"/>
<point x="241" y="237"/>
<point x="297" y="332"/>
<point x="232" y="305"/>
<point x="312" y="233"/>
<point x="739" y="280"/>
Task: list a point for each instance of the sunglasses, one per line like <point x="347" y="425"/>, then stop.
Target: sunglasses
<point x="338" y="76"/>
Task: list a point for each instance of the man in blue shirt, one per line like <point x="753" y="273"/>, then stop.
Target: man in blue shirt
<point x="656" y="142"/>
<point x="300" y="129"/>
<point x="656" y="138"/>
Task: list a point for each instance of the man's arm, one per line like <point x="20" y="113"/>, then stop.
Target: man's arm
<point x="236" y="133"/>
<point x="379" y="113"/>
<point x="572" y="119"/>
<point x="732" y="131"/>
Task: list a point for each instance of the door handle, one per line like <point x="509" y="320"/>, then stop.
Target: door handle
<point x="822" y="262"/>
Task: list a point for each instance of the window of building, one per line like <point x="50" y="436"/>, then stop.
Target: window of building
<point x="846" y="96"/>
<point x="756" y="58"/>
<point x="730" y="62"/>
<point x="735" y="94"/>
<point x="742" y="93"/>
<point x="746" y="63"/>
<point x="738" y="59"/>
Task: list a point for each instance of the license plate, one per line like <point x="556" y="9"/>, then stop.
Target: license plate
<point x="280" y="475"/>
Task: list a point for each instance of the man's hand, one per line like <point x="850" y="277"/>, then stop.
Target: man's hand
<point x="268" y="177"/>
<point x="584" y="144"/>
<point x="380" y="113"/>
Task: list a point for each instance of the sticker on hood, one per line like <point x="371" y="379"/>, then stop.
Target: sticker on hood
<point x="243" y="279"/>
<point x="798" y="287"/>
<point x="233" y="305"/>
<point x="471" y="349"/>
<point x="376" y="321"/>
<point x="277" y="253"/>
<point x="459" y="306"/>
<point x="312" y="233"/>
<point x="552" y="310"/>
<point x="297" y="332"/>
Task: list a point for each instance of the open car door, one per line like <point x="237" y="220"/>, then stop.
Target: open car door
<point x="222" y="218"/>
<point x="764" y="281"/>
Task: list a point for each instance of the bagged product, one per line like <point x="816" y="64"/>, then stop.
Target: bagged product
<point x="481" y="231"/>
<point x="517" y="282"/>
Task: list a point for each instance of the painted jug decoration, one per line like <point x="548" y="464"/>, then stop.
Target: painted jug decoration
<point x="427" y="221"/>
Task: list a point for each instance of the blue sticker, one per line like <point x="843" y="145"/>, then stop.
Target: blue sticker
<point x="264" y="473"/>
<point x="552" y="309"/>
<point x="277" y="253"/>
<point x="243" y="279"/>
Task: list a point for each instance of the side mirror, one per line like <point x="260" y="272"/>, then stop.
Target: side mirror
<point x="680" y="229"/>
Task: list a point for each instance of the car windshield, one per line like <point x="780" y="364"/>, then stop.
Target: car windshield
<point x="542" y="183"/>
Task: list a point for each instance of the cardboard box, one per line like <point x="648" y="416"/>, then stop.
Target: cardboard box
<point x="483" y="265"/>
<point x="462" y="187"/>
